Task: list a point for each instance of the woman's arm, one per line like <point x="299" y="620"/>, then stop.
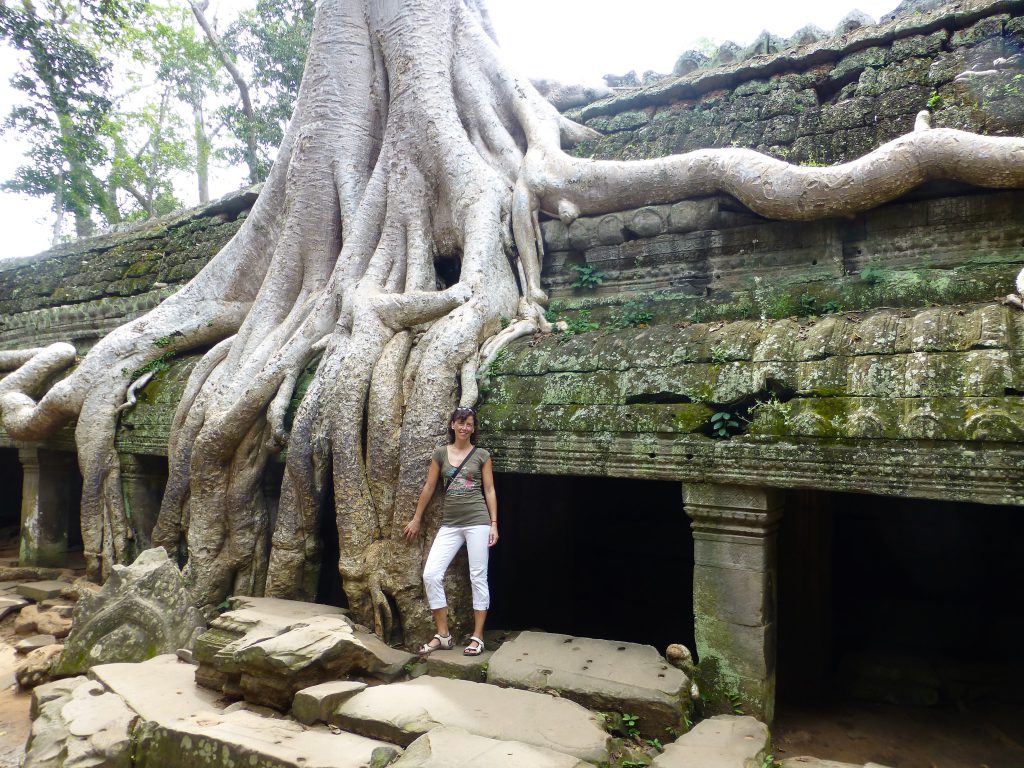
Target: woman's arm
<point x="491" y="498"/>
<point x="412" y="529"/>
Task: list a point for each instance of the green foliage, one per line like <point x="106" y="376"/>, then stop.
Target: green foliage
<point x="630" y="315"/>
<point x="768" y="761"/>
<point x="656" y="743"/>
<point x="736" y="703"/>
<point x="273" y="39"/>
<point x="551" y="315"/>
<point x="158" y="365"/>
<point x="505" y="322"/>
<point x="719" y="356"/>
<point x="587" y="277"/>
<point x="807" y="305"/>
<point x="581" y="324"/>
<point x="725" y="424"/>
<point x="631" y="723"/>
<point x="934" y="101"/>
<point x="64" y="80"/>
<point x="872" y="274"/>
<point x="831" y="308"/>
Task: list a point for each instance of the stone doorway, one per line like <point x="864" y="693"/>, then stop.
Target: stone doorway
<point x="599" y="557"/>
<point x="898" y="631"/>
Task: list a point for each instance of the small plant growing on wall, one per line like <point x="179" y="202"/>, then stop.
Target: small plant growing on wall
<point x="725" y="425"/>
<point x="581" y="324"/>
<point x="587" y="277"/>
<point x="631" y="315"/>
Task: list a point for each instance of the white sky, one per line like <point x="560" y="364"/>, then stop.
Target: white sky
<point x="568" y="40"/>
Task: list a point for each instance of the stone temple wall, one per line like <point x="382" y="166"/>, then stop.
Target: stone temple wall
<point x="835" y="99"/>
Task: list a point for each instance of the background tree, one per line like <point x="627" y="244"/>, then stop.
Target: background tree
<point x="272" y="39"/>
<point x="411" y="146"/>
<point x="66" y="83"/>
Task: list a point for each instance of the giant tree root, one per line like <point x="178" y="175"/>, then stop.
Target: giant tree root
<point x="411" y="145"/>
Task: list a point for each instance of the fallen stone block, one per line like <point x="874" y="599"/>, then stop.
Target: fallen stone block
<point x="723" y="741"/>
<point x="454" y="665"/>
<point x="244" y="738"/>
<point x="33" y="642"/>
<point x="11" y="605"/>
<point x="402" y="712"/>
<point x="287" y="646"/>
<point x="37" y="668"/>
<point x="60" y="606"/>
<point x="85" y="726"/>
<point x="35" y="620"/>
<point x="142" y="610"/>
<point x="457" y="748"/>
<point x="599" y="674"/>
<point x="317" y="703"/>
<point x="41" y="590"/>
<point x="47" y="692"/>
<point x="274" y="668"/>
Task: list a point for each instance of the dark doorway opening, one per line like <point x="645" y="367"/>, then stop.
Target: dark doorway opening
<point x="899" y="624"/>
<point x="596" y="557"/>
<point x="328" y="589"/>
<point x="10" y="502"/>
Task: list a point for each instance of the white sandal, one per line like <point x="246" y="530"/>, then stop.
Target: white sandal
<point x="472" y="650"/>
<point x="444" y="643"/>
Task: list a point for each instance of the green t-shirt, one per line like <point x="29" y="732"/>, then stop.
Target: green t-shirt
<point x="464" y="500"/>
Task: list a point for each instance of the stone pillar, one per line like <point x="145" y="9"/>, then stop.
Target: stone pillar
<point x="734" y="593"/>
<point x="143" y="479"/>
<point x="49" y="497"/>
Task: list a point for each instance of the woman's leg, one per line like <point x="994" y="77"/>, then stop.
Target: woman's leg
<point x="446" y="544"/>
<point x="476" y="548"/>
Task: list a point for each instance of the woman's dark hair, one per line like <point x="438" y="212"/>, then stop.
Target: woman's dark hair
<point x="460" y="414"/>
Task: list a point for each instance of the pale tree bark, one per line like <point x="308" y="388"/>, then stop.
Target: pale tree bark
<point x="411" y="143"/>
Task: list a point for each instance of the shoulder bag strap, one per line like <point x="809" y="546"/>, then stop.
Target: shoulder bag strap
<point x="450" y="480"/>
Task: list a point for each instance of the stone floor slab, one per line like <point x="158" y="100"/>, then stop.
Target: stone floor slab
<point x="318" y="702"/>
<point x="457" y="748"/>
<point x="402" y="712"/>
<point x="161" y="690"/>
<point x="599" y="674"/>
<point x="723" y="741"/>
<point x="41" y="590"/>
<point x="244" y="738"/>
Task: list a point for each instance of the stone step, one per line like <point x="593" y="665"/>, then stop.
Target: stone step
<point x="41" y="590"/>
<point x="454" y="664"/>
<point x="457" y="748"/>
<point x="402" y="712"/>
<point x="723" y="741"/>
<point x="599" y="674"/>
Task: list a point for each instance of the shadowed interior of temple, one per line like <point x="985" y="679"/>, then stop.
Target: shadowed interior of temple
<point x="10" y="499"/>
<point x="897" y="614"/>
<point x="593" y="556"/>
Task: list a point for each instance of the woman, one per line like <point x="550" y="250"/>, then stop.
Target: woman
<point x="470" y="518"/>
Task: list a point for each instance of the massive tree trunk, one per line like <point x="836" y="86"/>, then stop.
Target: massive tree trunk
<point x="411" y="144"/>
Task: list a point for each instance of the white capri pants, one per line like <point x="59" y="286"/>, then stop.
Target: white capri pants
<point x="447" y="543"/>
